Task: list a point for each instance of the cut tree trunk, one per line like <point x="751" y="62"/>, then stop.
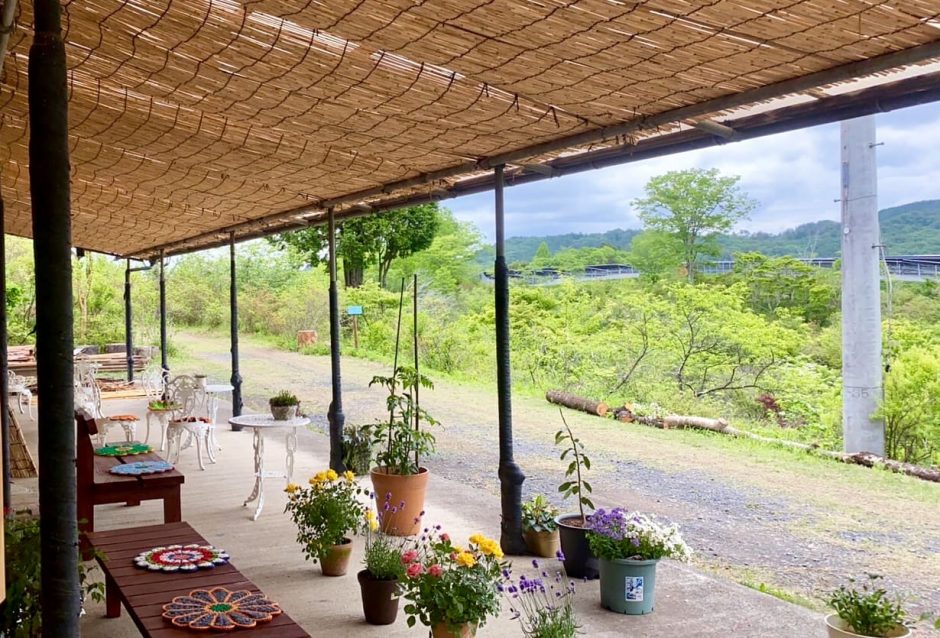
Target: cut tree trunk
<point x="575" y="402"/>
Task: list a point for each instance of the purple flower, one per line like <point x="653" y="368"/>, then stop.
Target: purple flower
<point x="560" y="555"/>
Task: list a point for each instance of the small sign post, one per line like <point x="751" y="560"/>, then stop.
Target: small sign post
<point x="355" y="312"/>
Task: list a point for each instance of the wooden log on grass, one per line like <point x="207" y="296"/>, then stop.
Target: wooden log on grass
<point x="575" y="402"/>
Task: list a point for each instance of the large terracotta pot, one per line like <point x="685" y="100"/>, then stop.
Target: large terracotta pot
<point x="544" y="544"/>
<point x="466" y="630"/>
<point x="336" y="561"/>
<point x="407" y="489"/>
<point x="379" y="603"/>
<point x="580" y="561"/>
<point x="838" y="628"/>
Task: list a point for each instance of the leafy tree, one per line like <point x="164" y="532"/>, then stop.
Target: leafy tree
<point x="377" y="239"/>
<point x="694" y="206"/>
<point x="910" y="410"/>
<point x="787" y="282"/>
<point x="655" y="254"/>
<point x="542" y="256"/>
<point x="449" y="263"/>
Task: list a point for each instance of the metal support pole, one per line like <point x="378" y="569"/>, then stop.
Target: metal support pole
<point x="128" y="323"/>
<point x="52" y="229"/>
<point x="164" y="359"/>
<point x="4" y="364"/>
<point x="510" y="476"/>
<point x="335" y="414"/>
<point x="233" y="300"/>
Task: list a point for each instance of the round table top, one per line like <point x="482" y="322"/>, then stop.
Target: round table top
<point x="218" y="388"/>
<point x="267" y="421"/>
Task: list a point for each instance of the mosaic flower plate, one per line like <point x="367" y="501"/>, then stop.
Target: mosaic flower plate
<point x="139" y="468"/>
<point x="185" y="558"/>
<point x="220" y="609"/>
<point x="123" y="449"/>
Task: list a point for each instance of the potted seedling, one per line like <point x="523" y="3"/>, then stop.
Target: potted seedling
<point x="579" y="561"/>
<point x="283" y="406"/>
<point x="866" y="610"/>
<point x="539" y="528"/>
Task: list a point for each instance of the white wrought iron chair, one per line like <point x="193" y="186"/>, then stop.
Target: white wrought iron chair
<point x="187" y="399"/>
<point x="151" y="380"/>
<point x="24" y="396"/>
<point x="88" y="395"/>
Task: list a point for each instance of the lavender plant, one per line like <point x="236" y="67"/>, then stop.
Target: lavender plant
<point x="543" y="604"/>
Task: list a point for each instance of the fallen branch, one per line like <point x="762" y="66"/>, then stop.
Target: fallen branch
<point x="598" y="408"/>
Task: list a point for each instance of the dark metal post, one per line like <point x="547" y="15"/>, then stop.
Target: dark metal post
<point x="164" y="359"/>
<point x="510" y="476"/>
<point x="233" y="300"/>
<point x="52" y="229"/>
<point x="4" y="364"/>
<point x="128" y="323"/>
<point x="335" y="414"/>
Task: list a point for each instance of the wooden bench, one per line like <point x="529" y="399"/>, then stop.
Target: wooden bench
<point x="143" y="593"/>
<point x="97" y="485"/>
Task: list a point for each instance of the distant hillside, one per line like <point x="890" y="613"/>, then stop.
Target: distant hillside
<point x="911" y="229"/>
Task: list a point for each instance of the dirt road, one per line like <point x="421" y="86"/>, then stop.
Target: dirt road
<point x="760" y="515"/>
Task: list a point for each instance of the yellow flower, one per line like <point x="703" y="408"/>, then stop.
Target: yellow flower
<point x="490" y="547"/>
<point x="466" y="559"/>
<point x="477" y="539"/>
<point x="373" y="524"/>
<point x="291" y="488"/>
<point x="331" y="475"/>
<point x="349" y="476"/>
<point x="370" y="515"/>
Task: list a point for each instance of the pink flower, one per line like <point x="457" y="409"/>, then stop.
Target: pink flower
<point x="409" y="557"/>
<point x="414" y="570"/>
<point x="445" y="537"/>
<point x="435" y="570"/>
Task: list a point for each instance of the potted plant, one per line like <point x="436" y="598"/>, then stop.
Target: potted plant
<point x="543" y="604"/>
<point x="629" y="546"/>
<point x="401" y="443"/>
<point x="866" y="611"/>
<point x="378" y="582"/>
<point x="357" y="448"/>
<point x="539" y="528"/>
<point x="579" y="561"/>
<point x="325" y="513"/>
<point x="283" y="406"/>
<point x="450" y="589"/>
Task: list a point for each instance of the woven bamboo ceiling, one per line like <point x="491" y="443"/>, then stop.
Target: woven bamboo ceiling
<point x="192" y="118"/>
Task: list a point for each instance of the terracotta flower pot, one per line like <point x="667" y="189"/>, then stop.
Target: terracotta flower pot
<point x="580" y="561"/>
<point x="336" y="561"/>
<point x="379" y="603"/>
<point x="465" y="630"/>
<point x="545" y="544"/>
<point x="838" y="628"/>
<point x="407" y="489"/>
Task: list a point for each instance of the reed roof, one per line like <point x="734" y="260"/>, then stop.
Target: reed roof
<point x="191" y="119"/>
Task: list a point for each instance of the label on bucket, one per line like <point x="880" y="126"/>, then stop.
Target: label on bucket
<point x="633" y="589"/>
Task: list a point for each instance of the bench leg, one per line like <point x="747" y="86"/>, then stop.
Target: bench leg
<point x="112" y="600"/>
<point x="172" y="508"/>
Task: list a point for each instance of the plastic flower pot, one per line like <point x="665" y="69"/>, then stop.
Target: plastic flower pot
<point x="465" y="630"/>
<point x="579" y="561"/>
<point x="544" y="544"/>
<point x="628" y="586"/>
<point x="838" y="628"/>
<point x="407" y="500"/>
<point x="336" y="560"/>
<point x="379" y="603"/>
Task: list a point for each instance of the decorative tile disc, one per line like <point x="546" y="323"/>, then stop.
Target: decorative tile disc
<point x="140" y="468"/>
<point x="185" y="558"/>
<point x="220" y="609"/>
<point x="123" y="449"/>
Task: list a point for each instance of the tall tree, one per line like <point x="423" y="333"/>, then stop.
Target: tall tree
<point x="655" y="254"/>
<point x="694" y="206"/>
<point x="377" y="239"/>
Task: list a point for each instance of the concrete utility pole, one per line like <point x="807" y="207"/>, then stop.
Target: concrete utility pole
<point x="861" y="290"/>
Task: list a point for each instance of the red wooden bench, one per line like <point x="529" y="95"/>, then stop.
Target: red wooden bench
<point x="97" y="485"/>
<point x="143" y="593"/>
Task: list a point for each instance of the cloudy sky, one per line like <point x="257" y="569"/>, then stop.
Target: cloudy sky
<point x="794" y="176"/>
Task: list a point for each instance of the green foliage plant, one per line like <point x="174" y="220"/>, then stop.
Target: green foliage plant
<point x="325" y="511"/>
<point x="868" y="609"/>
<point x="910" y="409"/>
<point x="574" y="484"/>
<point x="382" y="556"/>
<point x="538" y="515"/>
<point x="20" y="612"/>
<point x="403" y="442"/>
<point x="357" y="448"/>
<point x="284" y="398"/>
<point x="451" y="585"/>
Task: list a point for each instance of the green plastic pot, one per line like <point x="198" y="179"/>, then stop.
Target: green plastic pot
<point x="628" y="586"/>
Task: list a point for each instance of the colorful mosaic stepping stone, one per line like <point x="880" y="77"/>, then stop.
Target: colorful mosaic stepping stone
<point x="185" y="558"/>
<point x="220" y="609"/>
<point x="139" y="468"/>
<point x="123" y="449"/>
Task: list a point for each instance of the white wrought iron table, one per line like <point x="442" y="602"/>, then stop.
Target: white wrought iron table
<point x="258" y="424"/>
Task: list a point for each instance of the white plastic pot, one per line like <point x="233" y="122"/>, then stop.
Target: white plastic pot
<point x="838" y="628"/>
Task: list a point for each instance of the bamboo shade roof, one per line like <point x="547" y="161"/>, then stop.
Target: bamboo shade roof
<point x="190" y="119"/>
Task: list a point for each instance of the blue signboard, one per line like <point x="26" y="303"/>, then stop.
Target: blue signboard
<point x="354" y="310"/>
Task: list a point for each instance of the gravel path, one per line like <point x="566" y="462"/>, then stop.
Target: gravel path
<point x="755" y="514"/>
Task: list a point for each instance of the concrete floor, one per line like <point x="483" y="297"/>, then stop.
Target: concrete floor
<point x="689" y="603"/>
